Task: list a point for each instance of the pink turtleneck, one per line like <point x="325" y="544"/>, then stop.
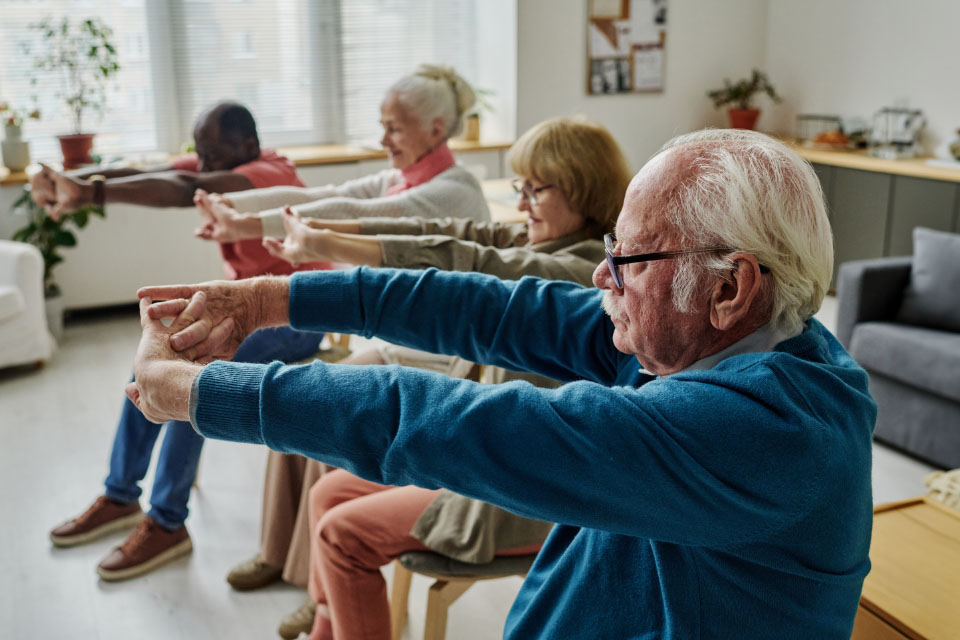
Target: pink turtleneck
<point x="425" y="169"/>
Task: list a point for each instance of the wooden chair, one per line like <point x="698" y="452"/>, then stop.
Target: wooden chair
<point x="453" y="578"/>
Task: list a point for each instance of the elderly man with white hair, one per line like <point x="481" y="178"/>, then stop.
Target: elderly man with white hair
<point x="720" y="491"/>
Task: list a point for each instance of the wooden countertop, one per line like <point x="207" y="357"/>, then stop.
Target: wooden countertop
<point x="912" y="167"/>
<point x="313" y="155"/>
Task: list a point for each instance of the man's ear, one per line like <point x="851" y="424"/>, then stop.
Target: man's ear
<point x="733" y="297"/>
<point x="251" y="148"/>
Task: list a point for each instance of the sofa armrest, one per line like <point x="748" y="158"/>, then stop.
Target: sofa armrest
<point x="869" y="290"/>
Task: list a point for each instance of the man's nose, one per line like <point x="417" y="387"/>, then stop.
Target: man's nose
<point x="602" y="278"/>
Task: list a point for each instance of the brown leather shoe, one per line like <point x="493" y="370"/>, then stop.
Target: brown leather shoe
<point x="253" y="574"/>
<point x="148" y="547"/>
<point x="103" y="516"/>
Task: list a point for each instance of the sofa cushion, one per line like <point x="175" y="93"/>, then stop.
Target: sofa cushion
<point x="932" y="299"/>
<point x="11" y="302"/>
<point x="924" y="358"/>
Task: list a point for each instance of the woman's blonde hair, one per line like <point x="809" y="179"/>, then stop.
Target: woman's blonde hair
<point x="433" y="92"/>
<point x="583" y="160"/>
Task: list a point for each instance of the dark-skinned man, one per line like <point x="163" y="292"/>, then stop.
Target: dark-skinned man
<point x="228" y="158"/>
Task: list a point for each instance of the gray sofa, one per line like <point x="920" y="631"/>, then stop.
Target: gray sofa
<point x="914" y="370"/>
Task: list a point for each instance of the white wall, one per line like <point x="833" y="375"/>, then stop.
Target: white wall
<point x="706" y="41"/>
<point x="496" y="23"/>
<point x="856" y="56"/>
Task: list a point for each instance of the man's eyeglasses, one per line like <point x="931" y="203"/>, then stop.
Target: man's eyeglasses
<point x="523" y="189"/>
<point x="614" y="262"/>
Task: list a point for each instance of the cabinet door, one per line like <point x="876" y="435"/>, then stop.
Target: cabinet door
<point x="918" y="203"/>
<point x="825" y="173"/>
<point x="860" y="203"/>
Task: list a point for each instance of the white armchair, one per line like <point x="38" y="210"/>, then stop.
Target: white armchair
<point x="23" y="322"/>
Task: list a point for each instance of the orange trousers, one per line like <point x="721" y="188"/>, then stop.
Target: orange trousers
<point x="357" y="527"/>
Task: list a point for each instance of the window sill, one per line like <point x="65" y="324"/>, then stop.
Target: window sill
<point x="312" y="155"/>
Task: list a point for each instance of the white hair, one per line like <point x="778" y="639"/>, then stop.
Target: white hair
<point x="751" y="193"/>
<point x="433" y="92"/>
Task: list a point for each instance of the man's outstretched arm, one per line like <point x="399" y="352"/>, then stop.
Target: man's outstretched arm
<point x="556" y="329"/>
<point x="171" y="188"/>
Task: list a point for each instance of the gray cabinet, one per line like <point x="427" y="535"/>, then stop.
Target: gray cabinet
<point x="859" y="203"/>
<point x="873" y="214"/>
<point x="918" y="203"/>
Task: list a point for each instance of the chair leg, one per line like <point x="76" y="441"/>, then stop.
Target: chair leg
<point x="442" y="594"/>
<point x="399" y="593"/>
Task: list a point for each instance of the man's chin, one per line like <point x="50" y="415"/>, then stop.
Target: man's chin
<point x="619" y="342"/>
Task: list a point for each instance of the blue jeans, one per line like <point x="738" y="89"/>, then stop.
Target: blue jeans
<point x="180" y="453"/>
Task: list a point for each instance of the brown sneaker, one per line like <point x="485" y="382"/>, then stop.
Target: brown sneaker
<point x="103" y="516"/>
<point x="253" y="574"/>
<point x="148" y="547"/>
<point x="300" y="621"/>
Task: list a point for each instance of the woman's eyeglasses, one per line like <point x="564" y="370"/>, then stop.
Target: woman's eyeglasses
<point x="525" y="190"/>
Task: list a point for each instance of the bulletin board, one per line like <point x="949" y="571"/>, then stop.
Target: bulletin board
<point x="625" y="45"/>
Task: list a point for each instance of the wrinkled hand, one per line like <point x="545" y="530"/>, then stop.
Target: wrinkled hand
<point x="222" y="223"/>
<point x="301" y="243"/>
<point x="69" y="193"/>
<point x="162" y="377"/>
<point x="43" y="190"/>
<point x="230" y="312"/>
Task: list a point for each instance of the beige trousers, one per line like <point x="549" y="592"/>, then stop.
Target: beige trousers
<point x="285" y="529"/>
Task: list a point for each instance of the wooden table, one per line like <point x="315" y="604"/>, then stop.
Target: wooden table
<point x="913" y="589"/>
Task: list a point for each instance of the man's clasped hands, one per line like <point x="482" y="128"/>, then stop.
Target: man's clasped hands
<point x="187" y="326"/>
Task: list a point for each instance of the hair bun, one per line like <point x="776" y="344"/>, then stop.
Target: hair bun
<point x="463" y="95"/>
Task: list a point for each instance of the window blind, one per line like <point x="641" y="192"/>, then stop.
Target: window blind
<point x="311" y="71"/>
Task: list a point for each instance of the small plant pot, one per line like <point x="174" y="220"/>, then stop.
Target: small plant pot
<point x="76" y="149"/>
<point x="471" y="129"/>
<point x="743" y="118"/>
<point x="53" y="306"/>
<point x="14" y="150"/>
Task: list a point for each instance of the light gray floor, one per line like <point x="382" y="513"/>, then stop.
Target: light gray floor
<point x="56" y="427"/>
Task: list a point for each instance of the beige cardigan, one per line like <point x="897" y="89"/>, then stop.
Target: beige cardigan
<point x="459" y="527"/>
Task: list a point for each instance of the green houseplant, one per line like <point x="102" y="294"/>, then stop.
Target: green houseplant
<point x="82" y="55"/>
<point x="743" y="115"/>
<point x="49" y="235"/>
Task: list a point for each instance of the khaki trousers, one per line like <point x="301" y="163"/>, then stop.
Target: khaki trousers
<point x="284" y="528"/>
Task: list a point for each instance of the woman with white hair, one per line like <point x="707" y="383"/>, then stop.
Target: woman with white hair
<point x="419" y="113"/>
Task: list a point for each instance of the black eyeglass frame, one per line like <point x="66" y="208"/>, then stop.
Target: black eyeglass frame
<point x="520" y="188"/>
<point x="614" y="262"/>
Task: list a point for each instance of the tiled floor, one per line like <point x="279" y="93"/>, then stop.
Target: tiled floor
<point x="56" y="427"/>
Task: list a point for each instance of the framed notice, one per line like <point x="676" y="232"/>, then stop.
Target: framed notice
<point x="625" y="43"/>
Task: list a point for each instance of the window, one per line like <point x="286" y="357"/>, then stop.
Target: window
<point x="312" y="71"/>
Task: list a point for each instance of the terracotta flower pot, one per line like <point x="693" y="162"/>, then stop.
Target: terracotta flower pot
<point x="743" y="118"/>
<point x="76" y="149"/>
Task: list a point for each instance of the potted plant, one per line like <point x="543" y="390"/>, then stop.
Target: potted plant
<point x="471" y="124"/>
<point x="48" y="235"/>
<point x="743" y="115"/>
<point x="83" y="56"/>
<point x="15" y="150"/>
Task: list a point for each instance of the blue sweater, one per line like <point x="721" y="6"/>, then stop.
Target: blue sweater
<point x="732" y="502"/>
